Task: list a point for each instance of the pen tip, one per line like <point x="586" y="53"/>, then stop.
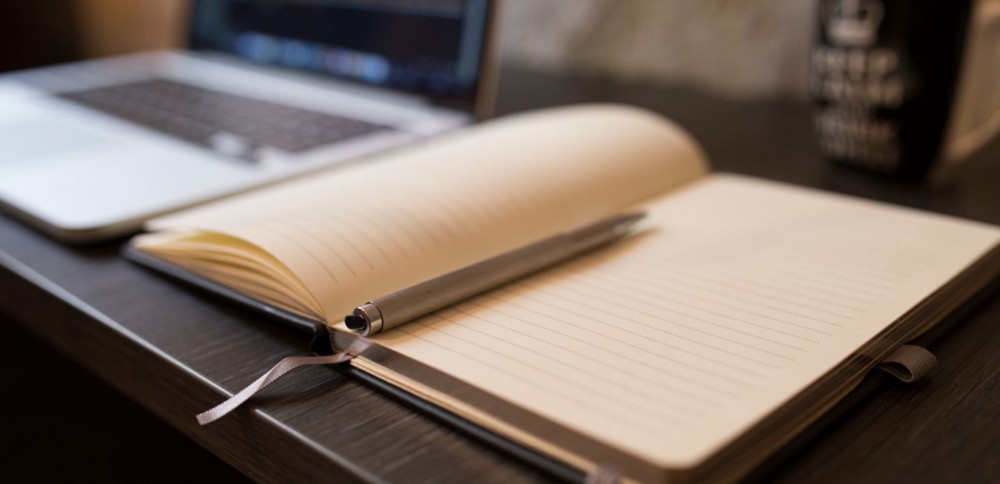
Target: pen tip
<point x="354" y="322"/>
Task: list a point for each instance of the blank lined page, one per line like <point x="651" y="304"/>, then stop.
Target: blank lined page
<point x="736" y="296"/>
<point x="354" y="235"/>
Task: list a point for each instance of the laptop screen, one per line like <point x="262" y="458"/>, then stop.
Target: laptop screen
<point x="431" y="47"/>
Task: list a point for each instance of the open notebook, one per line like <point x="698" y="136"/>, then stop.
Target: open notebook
<point x="737" y="313"/>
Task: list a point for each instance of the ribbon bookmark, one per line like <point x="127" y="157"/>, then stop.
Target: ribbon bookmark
<point x="908" y="363"/>
<point x="277" y="371"/>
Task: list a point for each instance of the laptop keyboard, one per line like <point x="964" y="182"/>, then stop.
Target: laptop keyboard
<point x="231" y="125"/>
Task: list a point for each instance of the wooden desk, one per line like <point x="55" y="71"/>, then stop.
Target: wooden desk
<point x="175" y="350"/>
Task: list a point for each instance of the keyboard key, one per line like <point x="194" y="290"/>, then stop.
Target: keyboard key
<point x="228" y="124"/>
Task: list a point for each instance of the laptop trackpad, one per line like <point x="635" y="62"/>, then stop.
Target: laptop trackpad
<point x="31" y="140"/>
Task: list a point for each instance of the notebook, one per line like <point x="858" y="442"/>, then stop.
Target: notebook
<point x="738" y="311"/>
<point x="263" y="91"/>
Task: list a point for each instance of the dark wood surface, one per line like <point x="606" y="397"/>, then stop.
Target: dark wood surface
<point x="176" y="351"/>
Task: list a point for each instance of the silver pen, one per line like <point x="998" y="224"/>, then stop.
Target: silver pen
<point x="426" y="297"/>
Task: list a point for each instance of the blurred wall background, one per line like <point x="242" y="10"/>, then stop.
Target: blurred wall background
<point x="734" y="48"/>
<point x="737" y="48"/>
<point x="111" y="27"/>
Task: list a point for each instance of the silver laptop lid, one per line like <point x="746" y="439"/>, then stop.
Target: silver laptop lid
<point x="437" y="49"/>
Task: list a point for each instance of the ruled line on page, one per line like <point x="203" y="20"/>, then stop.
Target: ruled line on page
<point x="296" y="243"/>
<point x="612" y="338"/>
<point x="856" y="261"/>
<point x="834" y="273"/>
<point x="698" y="319"/>
<point x="376" y="223"/>
<point x="803" y="274"/>
<point x="396" y="210"/>
<point x="573" y="400"/>
<point x="621" y="375"/>
<point x="325" y="219"/>
<point x="673" y="266"/>
<point x="809" y="289"/>
<point x="555" y="380"/>
<point x="734" y="265"/>
<point x="646" y="284"/>
<point x="721" y="283"/>
<point x="729" y="381"/>
<point x="709" y="291"/>
<point x="857" y="270"/>
<point x="802" y="287"/>
<point x="671" y="298"/>
<point x="309" y="238"/>
<point x="679" y="283"/>
<point x="602" y="311"/>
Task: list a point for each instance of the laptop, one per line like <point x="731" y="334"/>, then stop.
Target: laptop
<point x="266" y="90"/>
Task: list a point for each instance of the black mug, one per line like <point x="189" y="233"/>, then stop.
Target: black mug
<point x="885" y="81"/>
